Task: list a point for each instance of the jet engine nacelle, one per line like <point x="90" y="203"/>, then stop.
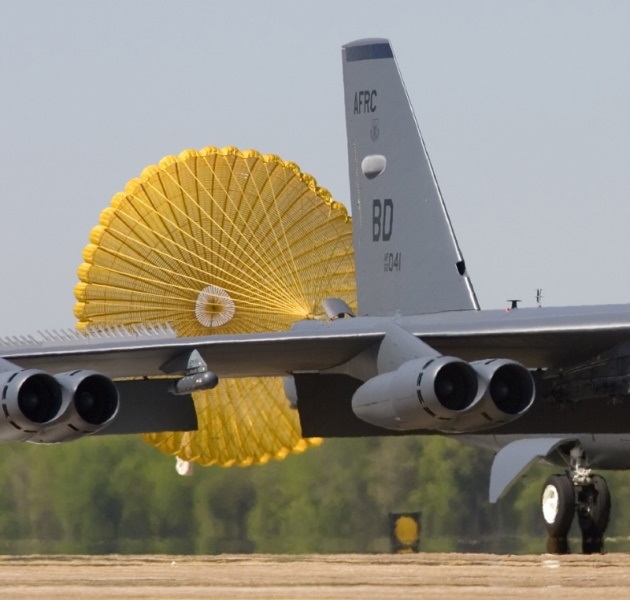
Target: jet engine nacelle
<point x="90" y="403"/>
<point x="30" y="399"/>
<point x="509" y="391"/>
<point x="421" y="394"/>
<point x="446" y="394"/>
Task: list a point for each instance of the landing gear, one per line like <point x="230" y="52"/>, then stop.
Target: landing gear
<point x="593" y="514"/>
<point x="576" y="491"/>
<point x="558" y="508"/>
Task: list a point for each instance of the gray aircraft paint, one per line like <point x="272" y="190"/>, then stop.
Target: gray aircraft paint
<point x="538" y="337"/>
<point x="407" y="258"/>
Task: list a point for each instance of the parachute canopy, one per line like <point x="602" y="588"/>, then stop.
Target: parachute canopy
<point x="220" y="241"/>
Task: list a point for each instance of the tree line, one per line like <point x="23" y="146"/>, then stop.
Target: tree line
<point x="118" y="495"/>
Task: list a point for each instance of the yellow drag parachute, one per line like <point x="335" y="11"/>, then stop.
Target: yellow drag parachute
<point x="220" y="241"/>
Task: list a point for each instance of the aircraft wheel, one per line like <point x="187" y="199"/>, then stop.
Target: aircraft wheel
<point x="558" y="508"/>
<point x="594" y="514"/>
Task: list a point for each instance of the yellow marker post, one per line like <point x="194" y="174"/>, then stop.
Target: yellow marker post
<point x="404" y="532"/>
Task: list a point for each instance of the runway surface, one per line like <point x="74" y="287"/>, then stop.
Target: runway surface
<point x="344" y="577"/>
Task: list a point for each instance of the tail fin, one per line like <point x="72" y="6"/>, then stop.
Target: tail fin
<point x="407" y="258"/>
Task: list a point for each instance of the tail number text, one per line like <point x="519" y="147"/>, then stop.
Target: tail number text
<point x="393" y="261"/>
<point x="382" y="219"/>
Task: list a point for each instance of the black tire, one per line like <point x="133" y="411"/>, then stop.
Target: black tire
<point x="594" y="515"/>
<point x="558" y="505"/>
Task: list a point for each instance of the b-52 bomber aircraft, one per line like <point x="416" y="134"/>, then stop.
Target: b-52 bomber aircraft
<point x="419" y="357"/>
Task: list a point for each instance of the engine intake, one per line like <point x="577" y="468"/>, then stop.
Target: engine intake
<point x="509" y="391"/>
<point x="30" y="399"/>
<point x="90" y="403"/>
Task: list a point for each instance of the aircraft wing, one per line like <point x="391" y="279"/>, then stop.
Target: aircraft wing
<point x="540" y="338"/>
<point x="330" y="361"/>
<point x="248" y="355"/>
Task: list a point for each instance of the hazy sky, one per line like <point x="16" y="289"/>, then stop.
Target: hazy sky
<point x="524" y="107"/>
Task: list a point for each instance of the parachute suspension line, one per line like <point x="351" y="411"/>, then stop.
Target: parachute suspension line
<point x="264" y="259"/>
<point x="169" y="275"/>
<point x="287" y="257"/>
<point x="221" y="227"/>
<point x="238" y="265"/>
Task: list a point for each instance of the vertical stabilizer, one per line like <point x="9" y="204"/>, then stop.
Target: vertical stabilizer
<point x="407" y="258"/>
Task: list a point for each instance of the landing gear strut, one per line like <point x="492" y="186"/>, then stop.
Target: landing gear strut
<point x="576" y="491"/>
<point x="593" y="510"/>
